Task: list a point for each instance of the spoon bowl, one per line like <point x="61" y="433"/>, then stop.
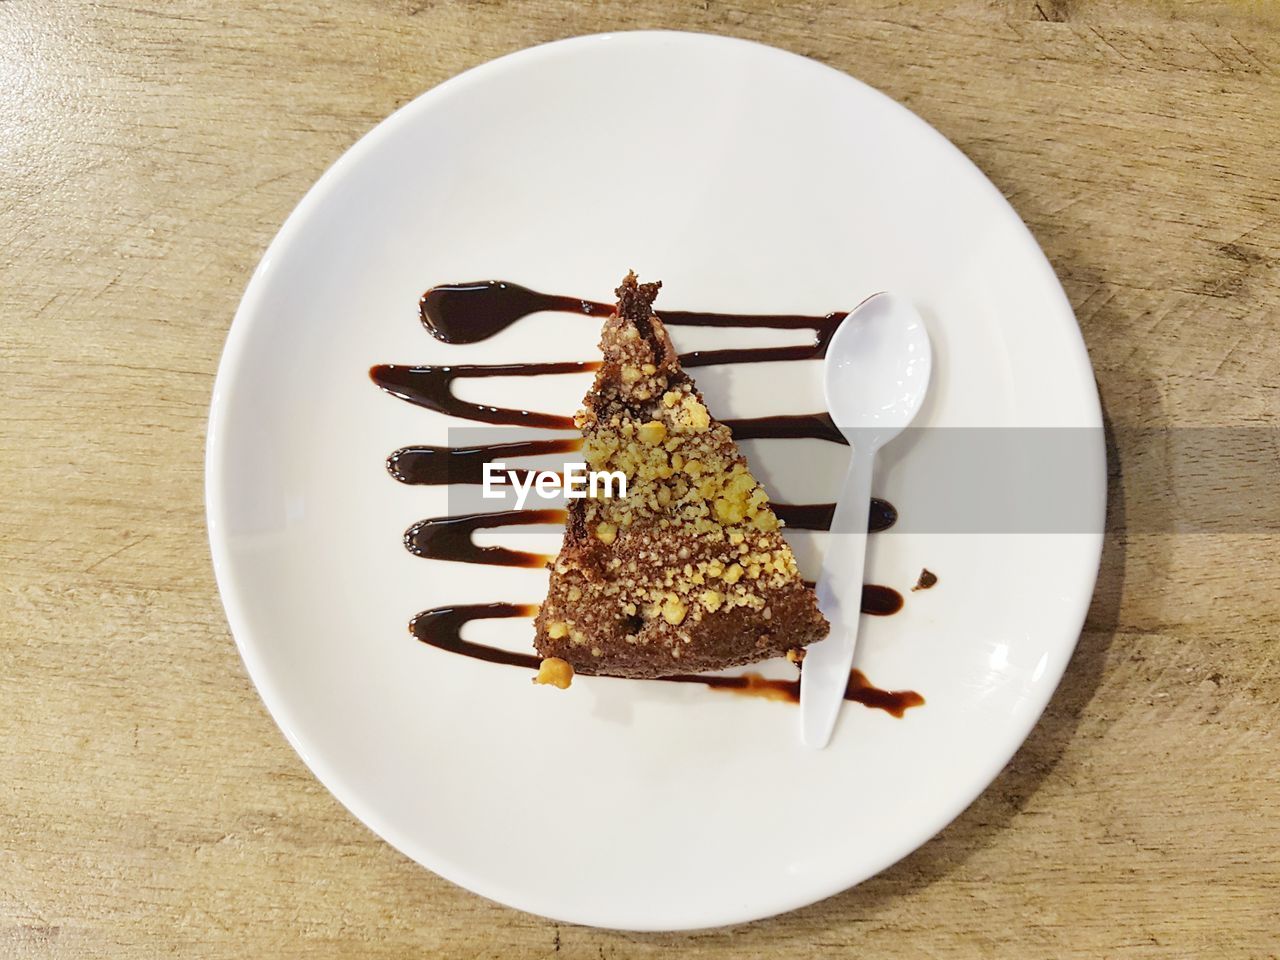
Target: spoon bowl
<point x="877" y="371"/>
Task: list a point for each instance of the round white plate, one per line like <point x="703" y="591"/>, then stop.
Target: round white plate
<point x="748" y="180"/>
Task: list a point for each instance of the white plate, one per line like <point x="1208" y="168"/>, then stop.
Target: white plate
<point x="747" y="179"/>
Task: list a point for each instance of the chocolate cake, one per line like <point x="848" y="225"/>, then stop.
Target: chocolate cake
<point x="688" y="572"/>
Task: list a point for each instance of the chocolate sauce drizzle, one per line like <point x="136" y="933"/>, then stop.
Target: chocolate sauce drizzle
<point x="442" y="628"/>
<point x="450" y="538"/>
<point x="880" y="601"/>
<point x="472" y="312"/>
<point x="817" y="516"/>
<point x="438" y="466"/>
<point x="432" y="387"/>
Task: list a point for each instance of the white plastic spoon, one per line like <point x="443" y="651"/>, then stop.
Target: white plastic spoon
<point x="877" y="373"/>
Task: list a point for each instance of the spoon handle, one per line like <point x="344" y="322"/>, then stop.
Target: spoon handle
<point x="825" y="671"/>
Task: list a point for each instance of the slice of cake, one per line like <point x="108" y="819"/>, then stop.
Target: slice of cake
<point x="689" y="571"/>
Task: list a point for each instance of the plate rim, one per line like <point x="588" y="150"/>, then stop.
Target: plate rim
<point x="247" y="315"/>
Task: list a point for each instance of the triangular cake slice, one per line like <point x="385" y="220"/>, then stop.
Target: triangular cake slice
<point x="688" y="572"/>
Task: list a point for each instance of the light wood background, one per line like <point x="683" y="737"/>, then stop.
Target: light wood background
<point x="149" y="149"/>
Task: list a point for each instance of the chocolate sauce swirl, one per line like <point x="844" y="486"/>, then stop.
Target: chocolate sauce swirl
<point x="440" y="466"/>
<point x="817" y="516"/>
<point x="472" y="312"/>
<point x="432" y="387"/>
<point x="450" y="538"/>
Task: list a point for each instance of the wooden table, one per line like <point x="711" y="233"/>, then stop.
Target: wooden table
<point x="149" y="150"/>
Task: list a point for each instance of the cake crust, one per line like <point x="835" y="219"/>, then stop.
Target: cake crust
<point x="689" y="571"/>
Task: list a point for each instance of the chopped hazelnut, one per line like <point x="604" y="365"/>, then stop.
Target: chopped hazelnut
<point x="673" y="609"/>
<point x="695" y="415"/>
<point x="555" y="672"/>
<point x="606" y="532"/>
<point x="766" y="520"/>
<point x="712" y="600"/>
<point x="729" y="511"/>
<point x="557" y="629"/>
<point x="653" y="432"/>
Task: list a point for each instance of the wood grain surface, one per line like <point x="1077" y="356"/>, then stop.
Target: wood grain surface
<point x="149" y="149"/>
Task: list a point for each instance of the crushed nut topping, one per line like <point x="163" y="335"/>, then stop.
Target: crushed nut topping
<point x="555" y="672"/>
